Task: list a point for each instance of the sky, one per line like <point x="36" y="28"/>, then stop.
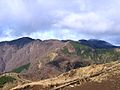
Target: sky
<point x="60" y="19"/>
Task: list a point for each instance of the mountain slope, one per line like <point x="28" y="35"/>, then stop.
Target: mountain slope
<point x="38" y="59"/>
<point x="78" y="78"/>
<point x="35" y="60"/>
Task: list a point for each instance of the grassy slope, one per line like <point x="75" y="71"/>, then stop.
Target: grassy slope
<point x="96" y="55"/>
<point x="21" y="68"/>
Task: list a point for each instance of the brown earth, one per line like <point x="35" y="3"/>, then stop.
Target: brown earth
<point x="112" y="84"/>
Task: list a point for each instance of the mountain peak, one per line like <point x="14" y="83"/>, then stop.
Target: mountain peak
<point x="27" y="38"/>
<point x="18" y="42"/>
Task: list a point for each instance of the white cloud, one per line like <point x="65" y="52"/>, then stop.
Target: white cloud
<point x="87" y="22"/>
<point x="63" y="19"/>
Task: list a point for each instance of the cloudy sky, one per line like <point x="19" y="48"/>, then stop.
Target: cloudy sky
<point x="60" y="19"/>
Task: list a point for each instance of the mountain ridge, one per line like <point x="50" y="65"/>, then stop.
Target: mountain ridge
<point x="94" y="43"/>
<point x="35" y="60"/>
<point x="27" y="46"/>
<point x="20" y="42"/>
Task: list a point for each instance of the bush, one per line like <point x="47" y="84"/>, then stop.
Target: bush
<point x="21" y="68"/>
<point x="6" y="79"/>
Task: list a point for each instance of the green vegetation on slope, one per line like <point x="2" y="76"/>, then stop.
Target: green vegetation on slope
<point x="106" y="55"/>
<point x="6" y="79"/>
<point x="82" y="50"/>
<point x="65" y="50"/>
<point x="95" y="55"/>
<point x="21" y="68"/>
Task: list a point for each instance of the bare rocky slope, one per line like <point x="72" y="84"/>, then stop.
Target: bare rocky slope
<point x="36" y="59"/>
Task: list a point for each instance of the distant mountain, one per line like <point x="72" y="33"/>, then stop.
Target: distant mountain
<point x="94" y="43"/>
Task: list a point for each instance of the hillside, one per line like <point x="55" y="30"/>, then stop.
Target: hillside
<point x="26" y="60"/>
<point x="91" y="77"/>
<point x="36" y="59"/>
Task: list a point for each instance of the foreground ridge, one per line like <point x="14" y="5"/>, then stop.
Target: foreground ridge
<point x="77" y="77"/>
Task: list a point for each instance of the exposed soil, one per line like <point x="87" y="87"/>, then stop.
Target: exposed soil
<point x="111" y="84"/>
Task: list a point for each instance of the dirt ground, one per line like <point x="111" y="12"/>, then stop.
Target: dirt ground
<point x="112" y="84"/>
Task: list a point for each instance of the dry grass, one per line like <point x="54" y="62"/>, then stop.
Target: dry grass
<point x="94" y="73"/>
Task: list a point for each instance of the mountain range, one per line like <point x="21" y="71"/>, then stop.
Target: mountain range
<point x="35" y="59"/>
